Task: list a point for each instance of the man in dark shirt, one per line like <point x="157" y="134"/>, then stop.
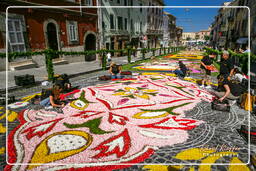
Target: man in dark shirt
<point x="226" y="72"/>
<point x="206" y="62"/>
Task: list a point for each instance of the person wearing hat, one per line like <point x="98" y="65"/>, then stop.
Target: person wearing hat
<point x="206" y="64"/>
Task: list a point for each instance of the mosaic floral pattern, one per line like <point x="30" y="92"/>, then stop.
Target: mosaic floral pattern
<point x="106" y="125"/>
<point x="207" y="157"/>
<point x="170" y="65"/>
<point x="185" y="56"/>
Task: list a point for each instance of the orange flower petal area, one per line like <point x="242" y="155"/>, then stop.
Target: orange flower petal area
<point x="185" y="56"/>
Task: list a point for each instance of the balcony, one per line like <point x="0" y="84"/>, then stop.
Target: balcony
<point x="155" y="31"/>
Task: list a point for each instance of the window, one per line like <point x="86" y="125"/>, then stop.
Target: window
<point x="140" y="8"/>
<point x="118" y="1"/>
<point x="88" y="2"/>
<point x="16" y="38"/>
<point x="132" y="26"/>
<point x="112" y="26"/>
<point x="125" y="3"/>
<point x="131" y="2"/>
<point x="141" y="27"/>
<point x="126" y="24"/>
<point x="120" y="23"/>
<point x="103" y="25"/>
<point x="72" y="30"/>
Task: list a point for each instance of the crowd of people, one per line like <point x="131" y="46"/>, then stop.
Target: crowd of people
<point x="230" y="78"/>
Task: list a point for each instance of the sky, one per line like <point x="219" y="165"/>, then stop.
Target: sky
<point x="194" y="20"/>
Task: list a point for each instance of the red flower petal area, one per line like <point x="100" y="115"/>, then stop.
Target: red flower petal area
<point x="121" y="130"/>
<point x="118" y="119"/>
<point x="183" y="124"/>
<point x="35" y="130"/>
<point x="119" y="145"/>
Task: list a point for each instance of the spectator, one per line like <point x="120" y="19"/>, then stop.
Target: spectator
<point x="109" y="57"/>
<point x="206" y="65"/>
<point x="247" y="50"/>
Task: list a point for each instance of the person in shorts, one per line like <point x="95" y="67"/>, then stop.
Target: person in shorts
<point x="109" y="57"/>
<point x="206" y="63"/>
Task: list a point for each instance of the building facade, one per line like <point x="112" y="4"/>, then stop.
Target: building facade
<point x="230" y="28"/>
<point x="188" y="36"/>
<point x="35" y="29"/>
<point x="203" y="34"/>
<point x="179" y="32"/>
<point x="121" y="27"/>
<point x="154" y="34"/>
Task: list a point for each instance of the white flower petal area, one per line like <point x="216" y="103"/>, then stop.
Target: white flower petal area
<point x="60" y="143"/>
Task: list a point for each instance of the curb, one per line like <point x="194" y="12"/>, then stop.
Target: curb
<point x="37" y="83"/>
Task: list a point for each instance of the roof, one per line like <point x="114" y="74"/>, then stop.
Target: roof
<point x="169" y="15"/>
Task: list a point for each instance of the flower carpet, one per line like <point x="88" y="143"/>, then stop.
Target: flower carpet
<point x="187" y="55"/>
<point x="154" y="118"/>
<point x="169" y="65"/>
<point x="119" y="122"/>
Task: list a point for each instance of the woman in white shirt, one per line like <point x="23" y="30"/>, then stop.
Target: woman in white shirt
<point x="238" y="75"/>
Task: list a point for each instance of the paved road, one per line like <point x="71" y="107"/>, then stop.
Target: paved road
<point x="71" y="69"/>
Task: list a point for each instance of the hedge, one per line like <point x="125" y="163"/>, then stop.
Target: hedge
<point x="50" y="54"/>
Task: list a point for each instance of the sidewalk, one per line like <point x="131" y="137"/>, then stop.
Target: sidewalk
<point x="72" y="69"/>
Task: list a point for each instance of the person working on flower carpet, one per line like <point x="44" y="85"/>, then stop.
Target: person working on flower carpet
<point x="115" y="70"/>
<point x="54" y="98"/>
<point x="181" y="71"/>
<point x="228" y="89"/>
<point x="206" y="67"/>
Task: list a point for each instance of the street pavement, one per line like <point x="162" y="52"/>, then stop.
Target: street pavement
<point x="72" y="69"/>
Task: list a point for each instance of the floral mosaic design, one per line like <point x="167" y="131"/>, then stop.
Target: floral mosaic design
<point x="185" y="56"/>
<point x="169" y="66"/>
<point x="107" y="125"/>
<point x="207" y="157"/>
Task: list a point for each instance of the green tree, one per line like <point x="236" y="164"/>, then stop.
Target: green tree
<point x="188" y="38"/>
<point x="206" y="37"/>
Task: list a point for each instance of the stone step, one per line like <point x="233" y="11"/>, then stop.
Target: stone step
<point x="22" y="65"/>
<point x="59" y="61"/>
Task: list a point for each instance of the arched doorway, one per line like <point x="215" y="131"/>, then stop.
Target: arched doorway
<point x="90" y="44"/>
<point x="52" y="37"/>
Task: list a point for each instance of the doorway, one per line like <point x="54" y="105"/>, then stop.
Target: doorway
<point x="90" y="44"/>
<point x="52" y="38"/>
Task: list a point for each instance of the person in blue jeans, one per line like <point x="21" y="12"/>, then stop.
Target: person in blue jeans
<point x="115" y="71"/>
<point x="54" y="98"/>
<point x="181" y="71"/>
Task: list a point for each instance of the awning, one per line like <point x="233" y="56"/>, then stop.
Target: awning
<point x="242" y="40"/>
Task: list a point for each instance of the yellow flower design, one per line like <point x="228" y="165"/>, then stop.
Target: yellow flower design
<point x="132" y="92"/>
<point x="207" y="158"/>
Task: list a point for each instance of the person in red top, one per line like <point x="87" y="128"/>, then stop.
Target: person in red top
<point x="206" y="67"/>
